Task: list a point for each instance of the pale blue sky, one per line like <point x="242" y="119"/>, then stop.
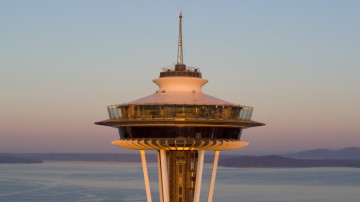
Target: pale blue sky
<point x="63" y="62"/>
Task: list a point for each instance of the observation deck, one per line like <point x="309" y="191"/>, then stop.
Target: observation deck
<point x="179" y="116"/>
<point x="180" y="127"/>
<point x="180" y="70"/>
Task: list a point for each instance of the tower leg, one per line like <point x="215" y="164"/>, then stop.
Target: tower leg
<point x="146" y="176"/>
<point x="161" y="194"/>
<point x="213" y="176"/>
<point x="164" y="175"/>
<point x="199" y="171"/>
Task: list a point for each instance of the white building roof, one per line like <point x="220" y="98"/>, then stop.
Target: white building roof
<point x="180" y="90"/>
<point x="195" y="98"/>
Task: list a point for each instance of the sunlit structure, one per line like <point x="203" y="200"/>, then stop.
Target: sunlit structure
<point x="180" y="122"/>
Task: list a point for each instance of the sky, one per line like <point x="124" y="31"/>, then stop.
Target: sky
<point x="62" y="62"/>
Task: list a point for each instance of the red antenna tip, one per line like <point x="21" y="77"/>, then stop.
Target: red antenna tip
<point x="180" y="13"/>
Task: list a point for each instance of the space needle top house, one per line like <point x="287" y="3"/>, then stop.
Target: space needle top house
<point x="181" y="122"/>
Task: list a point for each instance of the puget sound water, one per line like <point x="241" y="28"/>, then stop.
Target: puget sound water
<point x="77" y="181"/>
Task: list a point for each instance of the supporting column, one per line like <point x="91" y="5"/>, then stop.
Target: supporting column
<point x="164" y="175"/>
<point x="146" y="176"/>
<point x="213" y="176"/>
<point x="161" y="194"/>
<point x="199" y="171"/>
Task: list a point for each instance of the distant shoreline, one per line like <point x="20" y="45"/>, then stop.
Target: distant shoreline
<point x="285" y="162"/>
<point x="347" y="157"/>
<point x="18" y="160"/>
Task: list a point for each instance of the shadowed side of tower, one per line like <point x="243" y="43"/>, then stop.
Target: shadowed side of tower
<point x="181" y="122"/>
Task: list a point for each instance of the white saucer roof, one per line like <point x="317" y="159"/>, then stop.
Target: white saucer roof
<point x="180" y="90"/>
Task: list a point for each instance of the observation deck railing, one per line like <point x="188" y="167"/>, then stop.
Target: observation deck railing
<point x="188" y="72"/>
<point x="179" y="112"/>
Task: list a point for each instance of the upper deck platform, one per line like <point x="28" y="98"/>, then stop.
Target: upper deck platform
<point x="180" y="115"/>
<point x="180" y="70"/>
<point x="130" y="111"/>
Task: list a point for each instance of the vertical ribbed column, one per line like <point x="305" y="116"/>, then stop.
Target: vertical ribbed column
<point x="199" y="171"/>
<point x="213" y="176"/>
<point x="164" y="175"/>
<point x="146" y="176"/>
<point x="161" y="194"/>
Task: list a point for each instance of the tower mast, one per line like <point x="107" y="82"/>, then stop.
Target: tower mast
<point x="180" y="57"/>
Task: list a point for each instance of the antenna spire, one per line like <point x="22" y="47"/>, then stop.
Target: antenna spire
<point x="180" y="47"/>
<point x="180" y="57"/>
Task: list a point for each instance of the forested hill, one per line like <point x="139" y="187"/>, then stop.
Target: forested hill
<point x="347" y="157"/>
<point x="284" y="162"/>
<point x="346" y="153"/>
<point x="14" y="159"/>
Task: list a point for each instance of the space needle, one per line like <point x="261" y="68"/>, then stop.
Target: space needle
<point x="180" y="122"/>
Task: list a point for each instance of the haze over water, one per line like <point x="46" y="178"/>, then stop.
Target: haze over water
<point x="123" y="182"/>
